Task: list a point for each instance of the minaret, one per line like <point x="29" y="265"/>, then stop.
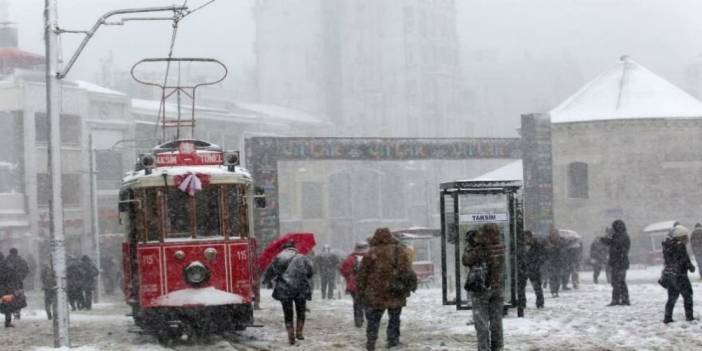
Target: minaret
<point x="8" y="31"/>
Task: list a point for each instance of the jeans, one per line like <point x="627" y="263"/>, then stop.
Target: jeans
<point x="680" y="287"/>
<point x="620" y="292"/>
<point x="488" y="308"/>
<point x="535" y="278"/>
<point x="596" y="269"/>
<point x="373" y="317"/>
<point x="298" y="305"/>
<point x="49" y="301"/>
<point x="358" y="310"/>
<point x="87" y="299"/>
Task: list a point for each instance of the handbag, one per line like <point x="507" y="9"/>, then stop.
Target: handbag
<point x="477" y="280"/>
<point x="403" y="281"/>
<point x="667" y="279"/>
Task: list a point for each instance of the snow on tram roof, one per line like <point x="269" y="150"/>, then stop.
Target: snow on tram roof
<point x="217" y="174"/>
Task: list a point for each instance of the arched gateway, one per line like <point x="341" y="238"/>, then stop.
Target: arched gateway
<point x="263" y="154"/>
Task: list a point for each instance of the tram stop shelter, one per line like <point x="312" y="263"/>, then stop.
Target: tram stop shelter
<point x="465" y="205"/>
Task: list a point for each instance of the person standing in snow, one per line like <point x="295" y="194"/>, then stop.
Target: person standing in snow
<point x="488" y="305"/>
<point x="696" y="243"/>
<point x="599" y="256"/>
<point x="48" y="284"/>
<point x="386" y="257"/>
<point x="74" y="277"/>
<point x="531" y="256"/>
<point x="291" y="273"/>
<point x="676" y="265"/>
<point x="619" y="244"/>
<point x="554" y="252"/>
<point x="87" y="284"/>
<point x="349" y="270"/>
<point x="327" y="264"/>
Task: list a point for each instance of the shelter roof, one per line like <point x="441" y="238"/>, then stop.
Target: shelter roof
<point x="627" y="91"/>
<point x="510" y="171"/>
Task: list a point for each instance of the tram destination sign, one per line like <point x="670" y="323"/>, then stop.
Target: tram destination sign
<point x="199" y="158"/>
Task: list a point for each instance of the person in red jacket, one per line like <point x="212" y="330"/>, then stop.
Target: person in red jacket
<point x="349" y="270"/>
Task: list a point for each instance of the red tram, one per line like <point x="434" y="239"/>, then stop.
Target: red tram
<point x="188" y="256"/>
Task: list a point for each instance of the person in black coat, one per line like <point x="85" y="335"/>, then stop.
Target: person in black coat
<point x="531" y="256"/>
<point x="48" y="284"/>
<point x="599" y="257"/>
<point x="74" y="278"/>
<point x="291" y="274"/>
<point x="619" y="244"/>
<point x="19" y="268"/>
<point x="87" y="284"/>
<point x="676" y="265"/>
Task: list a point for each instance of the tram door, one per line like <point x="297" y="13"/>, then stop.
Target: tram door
<point x="466" y="206"/>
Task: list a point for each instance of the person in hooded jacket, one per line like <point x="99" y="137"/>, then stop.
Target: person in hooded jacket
<point x="676" y="265"/>
<point x="349" y="270"/>
<point x="74" y="278"/>
<point x="385" y="256"/>
<point x="531" y="256"/>
<point x="488" y="305"/>
<point x="7" y="291"/>
<point x="291" y="274"/>
<point x="619" y="244"/>
<point x="696" y="244"/>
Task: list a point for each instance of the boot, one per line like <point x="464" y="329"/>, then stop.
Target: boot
<point x="298" y="331"/>
<point x="291" y="333"/>
<point x="689" y="316"/>
<point x="48" y="314"/>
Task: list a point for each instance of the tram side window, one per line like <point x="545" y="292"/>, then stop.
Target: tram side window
<point x="207" y="204"/>
<point x="180" y="208"/>
<point x="153" y="229"/>
<point x="236" y="206"/>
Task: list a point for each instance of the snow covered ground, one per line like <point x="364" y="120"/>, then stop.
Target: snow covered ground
<point x="577" y="320"/>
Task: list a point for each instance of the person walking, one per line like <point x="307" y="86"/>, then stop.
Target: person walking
<point x="74" y="278"/>
<point x="87" y="283"/>
<point x="676" y="265"/>
<point x="327" y="264"/>
<point x="619" y="244"/>
<point x="349" y="270"/>
<point x="488" y="304"/>
<point x="387" y="258"/>
<point x="531" y="256"/>
<point x="554" y="252"/>
<point x="48" y="284"/>
<point x="599" y="256"/>
<point x="696" y="244"/>
<point x="291" y="273"/>
<point x="13" y="270"/>
<point x="20" y="272"/>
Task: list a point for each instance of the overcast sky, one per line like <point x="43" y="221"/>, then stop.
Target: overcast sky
<point x="223" y="30"/>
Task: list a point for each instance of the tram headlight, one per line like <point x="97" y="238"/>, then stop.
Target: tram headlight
<point x="196" y="273"/>
<point x="210" y="253"/>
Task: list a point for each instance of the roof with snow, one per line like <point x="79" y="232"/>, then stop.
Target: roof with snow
<point x="510" y="171"/>
<point x="627" y="91"/>
<point x="93" y="88"/>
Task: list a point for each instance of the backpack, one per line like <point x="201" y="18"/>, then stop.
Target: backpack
<point x="403" y="281"/>
<point x="477" y="280"/>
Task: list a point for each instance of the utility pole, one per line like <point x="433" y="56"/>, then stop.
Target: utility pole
<point x="53" y="104"/>
<point x="54" y="74"/>
<point x="94" y="217"/>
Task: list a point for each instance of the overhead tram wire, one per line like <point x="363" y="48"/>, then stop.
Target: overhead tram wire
<point x="176" y="20"/>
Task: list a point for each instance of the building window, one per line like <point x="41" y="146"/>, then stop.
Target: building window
<point x="578" y="180"/>
<point x="70" y="129"/>
<point x="108" y="164"/>
<point x="70" y="189"/>
<point x="340" y="195"/>
<point x="311" y="200"/>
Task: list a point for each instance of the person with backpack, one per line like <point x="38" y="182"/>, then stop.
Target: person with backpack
<point x="349" y="270"/>
<point x="385" y="280"/>
<point x="291" y="274"/>
<point x="486" y="260"/>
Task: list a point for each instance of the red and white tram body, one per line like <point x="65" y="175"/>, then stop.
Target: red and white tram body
<point x="188" y="257"/>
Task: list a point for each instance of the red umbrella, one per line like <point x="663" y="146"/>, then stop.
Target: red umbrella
<point x="304" y="242"/>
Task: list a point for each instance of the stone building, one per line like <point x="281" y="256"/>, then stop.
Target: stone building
<point x="626" y="146"/>
<point x="371" y="67"/>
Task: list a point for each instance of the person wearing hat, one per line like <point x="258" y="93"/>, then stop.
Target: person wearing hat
<point x="676" y="265"/>
<point x="291" y="274"/>
<point x="349" y="270"/>
<point x="696" y="244"/>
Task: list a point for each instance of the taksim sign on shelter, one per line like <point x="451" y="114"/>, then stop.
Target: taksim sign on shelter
<point x="484" y="217"/>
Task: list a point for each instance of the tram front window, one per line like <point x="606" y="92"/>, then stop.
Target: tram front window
<point x="236" y="208"/>
<point x="207" y="204"/>
<point x="179" y="214"/>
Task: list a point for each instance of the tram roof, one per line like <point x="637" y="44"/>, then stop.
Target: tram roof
<point x="216" y="174"/>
